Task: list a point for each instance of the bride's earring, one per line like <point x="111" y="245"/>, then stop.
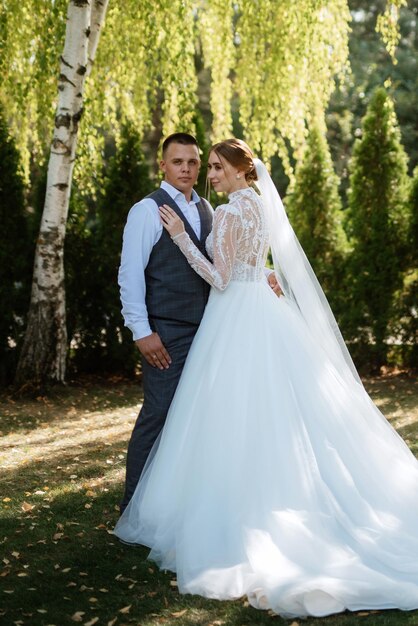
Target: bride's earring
<point x="238" y="176"/>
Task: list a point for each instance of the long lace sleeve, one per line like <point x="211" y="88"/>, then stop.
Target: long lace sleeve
<point x="218" y="273"/>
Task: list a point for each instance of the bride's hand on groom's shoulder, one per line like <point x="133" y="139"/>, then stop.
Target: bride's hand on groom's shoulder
<point x="171" y="221"/>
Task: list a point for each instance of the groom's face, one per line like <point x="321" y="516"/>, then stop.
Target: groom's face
<point x="180" y="165"/>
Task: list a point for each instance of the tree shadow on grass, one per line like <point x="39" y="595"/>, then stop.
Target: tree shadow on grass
<point x="71" y="469"/>
<point x="27" y="414"/>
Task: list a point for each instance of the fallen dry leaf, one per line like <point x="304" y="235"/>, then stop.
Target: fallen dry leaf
<point x="78" y="616"/>
<point x="112" y="622"/>
<point x="125" y="609"/>
<point x="179" y="613"/>
<point x="92" y="621"/>
<point x="27" y="508"/>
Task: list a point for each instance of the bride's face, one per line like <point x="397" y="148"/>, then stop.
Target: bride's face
<point x="223" y="176"/>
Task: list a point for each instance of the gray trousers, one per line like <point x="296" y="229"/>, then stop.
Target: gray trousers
<point x="159" y="387"/>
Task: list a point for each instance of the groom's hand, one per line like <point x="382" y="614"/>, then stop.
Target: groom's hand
<point x="153" y="350"/>
<point x="274" y="284"/>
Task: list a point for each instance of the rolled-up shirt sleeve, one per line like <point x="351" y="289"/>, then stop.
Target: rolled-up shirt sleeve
<point x="142" y="231"/>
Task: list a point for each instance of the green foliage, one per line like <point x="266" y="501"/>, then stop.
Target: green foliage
<point x="142" y="47"/>
<point x="100" y="342"/>
<point x="387" y="25"/>
<point x="14" y="254"/>
<point x="289" y="54"/>
<point x="406" y="324"/>
<point x="372" y="67"/>
<point x="413" y="230"/>
<point x="315" y="212"/>
<point x="378" y="201"/>
<point x="146" y="57"/>
<point x="216" y="32"/>
<point x="31" y="46"/>
<point x="204" y="152"/>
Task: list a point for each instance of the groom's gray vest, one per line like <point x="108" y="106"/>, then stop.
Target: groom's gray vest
<point x="173" y="289"/>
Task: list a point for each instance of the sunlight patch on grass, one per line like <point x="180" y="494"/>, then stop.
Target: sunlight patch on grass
<point x="397" y="399"/>
<point x="68" y="437"/>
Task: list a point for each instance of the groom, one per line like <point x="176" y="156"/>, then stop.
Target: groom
<point x="163" y="299"/>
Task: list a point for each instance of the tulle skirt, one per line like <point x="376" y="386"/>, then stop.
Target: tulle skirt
<point x="275" y="478"/>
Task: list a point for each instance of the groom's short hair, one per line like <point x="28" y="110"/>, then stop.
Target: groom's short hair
<point x="183" y="138"/>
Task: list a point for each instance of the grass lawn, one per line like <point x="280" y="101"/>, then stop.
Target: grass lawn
<point x="62" y="462"/>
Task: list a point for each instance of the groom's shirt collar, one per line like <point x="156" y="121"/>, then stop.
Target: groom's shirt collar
<point x="177" y="195"/>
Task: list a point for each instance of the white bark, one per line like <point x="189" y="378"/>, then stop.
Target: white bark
<point x="43" y="355"/>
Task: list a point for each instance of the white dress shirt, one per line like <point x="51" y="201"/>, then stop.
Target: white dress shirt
<point x="142" y="231"/>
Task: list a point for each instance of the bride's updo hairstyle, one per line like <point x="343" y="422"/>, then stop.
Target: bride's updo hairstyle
<point x="239" y="155"/>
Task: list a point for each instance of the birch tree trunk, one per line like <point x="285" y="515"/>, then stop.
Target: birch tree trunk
<point x="44" y="350"/>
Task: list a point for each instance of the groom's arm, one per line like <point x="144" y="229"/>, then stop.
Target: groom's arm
<point x="141" y="233"/>
<point x="139" y="237"/>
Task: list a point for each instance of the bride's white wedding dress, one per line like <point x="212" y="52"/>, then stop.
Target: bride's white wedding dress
<point x="274" y="477"/>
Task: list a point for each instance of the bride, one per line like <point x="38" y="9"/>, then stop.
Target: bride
<point x="275" y="476"/>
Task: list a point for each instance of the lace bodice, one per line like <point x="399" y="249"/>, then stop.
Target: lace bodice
<point x="238" y="243"/>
